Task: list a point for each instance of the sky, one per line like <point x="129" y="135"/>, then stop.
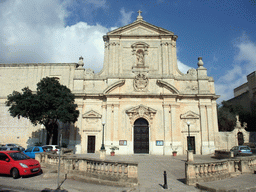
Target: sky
<point x="58" y="31"/>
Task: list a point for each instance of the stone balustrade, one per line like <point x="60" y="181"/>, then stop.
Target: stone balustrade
<point x="216" y="170"/>
<point x="126" y="172"/>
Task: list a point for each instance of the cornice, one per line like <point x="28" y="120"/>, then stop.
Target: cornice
<point x="36" y="64"/>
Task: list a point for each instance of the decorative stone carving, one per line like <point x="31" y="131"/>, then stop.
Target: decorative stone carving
<point x="141" y="111"/>
<point x="140" y="57"/>
<point x="192" y="72"/>
<point x="92" y="117"/>
<point x="168" y="86"/>
<point x="140" y="82"/>
<point x="189" y="115"/>
<point x="191" y="87"/>
<point x="89" y="73"/>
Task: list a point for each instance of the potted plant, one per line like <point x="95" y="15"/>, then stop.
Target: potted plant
<point x="174" y="151"/>
<point x="112" y="152"/>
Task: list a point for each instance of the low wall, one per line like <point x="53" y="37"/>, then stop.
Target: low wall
<point x="223" y="154"/>
<point x="123" y="172"/>
<point x="197" y="172"/>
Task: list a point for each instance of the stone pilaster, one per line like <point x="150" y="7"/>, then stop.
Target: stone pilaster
<point x="204" y="129"/>
<point x="108" y="126"/>
<point x="166" y="120"/>
<point x="79" y="126"/>
<point x="174" y="64"/>
<point x="115" y="122"/>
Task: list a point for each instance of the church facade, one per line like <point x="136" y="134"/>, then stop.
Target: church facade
<point x="140" y="98"/>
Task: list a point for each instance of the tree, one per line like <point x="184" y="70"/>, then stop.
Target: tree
<point x="51" y="103"/>
<point x="226" y="119"/>
<point x="227" y="116"/>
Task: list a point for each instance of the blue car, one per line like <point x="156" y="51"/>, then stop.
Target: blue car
<point x="31" y="151"/>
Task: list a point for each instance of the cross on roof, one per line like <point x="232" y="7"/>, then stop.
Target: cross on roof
<point x="139" y="12"/>
<point x="139" y="16"/>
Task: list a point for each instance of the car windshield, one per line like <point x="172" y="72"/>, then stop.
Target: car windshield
<point x="244" y="148"/>
<point x="18" y="156"/>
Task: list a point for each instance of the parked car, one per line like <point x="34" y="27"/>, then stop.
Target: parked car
<point x="31" y="151"/>
<point x="241" y="150"/>
<point x="18" y="164"/>
<point x="15" y="145"/>
<point x="251" y="145"/>
<point x="9" y="149"/>
<point x="52" y="148"/>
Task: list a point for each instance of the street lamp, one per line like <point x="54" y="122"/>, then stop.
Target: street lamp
<point x="189" y="143"/>
<point x="102" y="145"/>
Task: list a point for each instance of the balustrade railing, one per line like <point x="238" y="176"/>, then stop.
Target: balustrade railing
<point x="102" y="169"/>
<point x="216" y="170"/>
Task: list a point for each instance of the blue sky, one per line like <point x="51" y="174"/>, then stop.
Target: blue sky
<point x="222" y="32"/>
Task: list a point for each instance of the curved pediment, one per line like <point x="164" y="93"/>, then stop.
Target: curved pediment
<point x="168" y="86"/>
<point x="113" y="86"/>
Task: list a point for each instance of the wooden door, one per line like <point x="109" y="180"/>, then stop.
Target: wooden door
<point x="91" y="144"/>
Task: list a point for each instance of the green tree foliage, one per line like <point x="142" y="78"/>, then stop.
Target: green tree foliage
<point x="227" y="116"/>
<point x="226" y="119"/>
<point x="52" y="102"/>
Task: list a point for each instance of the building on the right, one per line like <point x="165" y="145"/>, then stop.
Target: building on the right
<point x="245" y="94"/>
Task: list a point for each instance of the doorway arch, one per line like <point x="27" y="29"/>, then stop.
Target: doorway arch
<point x="240" y="138"/>
<point x="141" y="136"/>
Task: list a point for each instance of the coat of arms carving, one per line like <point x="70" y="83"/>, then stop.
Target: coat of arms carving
<point x="140" y="82"/>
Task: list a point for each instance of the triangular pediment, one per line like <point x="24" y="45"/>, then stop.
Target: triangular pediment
<point x="91" y="114"/>
<point x="140" y="28"/>
<point x="141" y="109"/>
<point x="189" y="115"/>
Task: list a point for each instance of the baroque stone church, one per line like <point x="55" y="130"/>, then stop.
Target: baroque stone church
<point x="140" y="98"/>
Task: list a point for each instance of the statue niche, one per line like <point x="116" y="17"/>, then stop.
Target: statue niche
<point x="140" y="58"/>
<point x="139" y="50"/>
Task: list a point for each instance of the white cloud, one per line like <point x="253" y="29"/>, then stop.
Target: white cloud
<point x="182" y="67"/>
<point x="244" y="64"/>
<point x="35" y="31"/>
<point x="125" y="17"/>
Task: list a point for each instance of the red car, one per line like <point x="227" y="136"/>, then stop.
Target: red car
<point x="18" y="164"/>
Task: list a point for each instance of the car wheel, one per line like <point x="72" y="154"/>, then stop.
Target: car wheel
<point x="15" y="173"/>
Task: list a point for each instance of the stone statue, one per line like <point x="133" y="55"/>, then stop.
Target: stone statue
<point x="140" y="57"/>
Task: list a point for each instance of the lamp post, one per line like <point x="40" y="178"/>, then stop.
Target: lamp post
<point x="102" y="145"/>
<point x="189" y="143"/>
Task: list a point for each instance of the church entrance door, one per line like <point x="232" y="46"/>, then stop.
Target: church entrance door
<point x="141" y="136"/>
<point x="91" y="144"/>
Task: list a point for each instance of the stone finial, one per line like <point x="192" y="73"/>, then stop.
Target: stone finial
<point x="139" y="16"/>
<point x="200" y="62"/>
<point x="81" y="62"/>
